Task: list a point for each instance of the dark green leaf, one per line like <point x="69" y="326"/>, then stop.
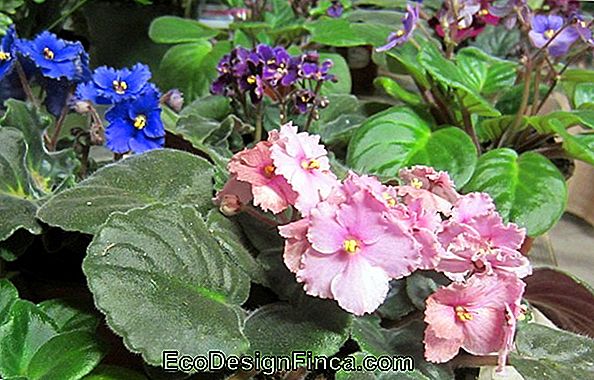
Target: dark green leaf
<point x="70" y="355"/>
<point x="108" y="372"/>
<point x="208" y="107"/>
<point x="398" y="138"/>
<point x="8" y="296"/>
<point x="393" y="88"/>
<point x="528" y="189"/>
<point x="67" y="317"/>
<point x="341" y="70"/>
<point x="544" y="353"/>
<point x="156" y="176"/>
<point x="584" y="94"/>
<point x="173" y="30"/>
<point x="497" y="40"/>
<point x="164" y="282"/>
<point x="421" y="285"/>
<point x="397" y="303"/>
<point x="318" y="326"/>
<point x="485" y="74"/>
<point x="580" y="147"/>
<point x="341" y="32"/>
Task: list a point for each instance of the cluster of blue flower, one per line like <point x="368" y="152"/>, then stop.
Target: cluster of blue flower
<point x="61" y="68"/>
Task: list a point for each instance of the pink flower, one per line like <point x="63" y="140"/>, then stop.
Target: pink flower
<point x="435" y="189"/>
<point x="386" y="196"/>
<point x="354" y="253"/>
<point x="296" y="243"/>
<point x="476" y="240"/>
<point x="255" y="167"/>
<point x="302" y="161"/>
<point x="477" y="316"/>
<point x="233" y="196"/>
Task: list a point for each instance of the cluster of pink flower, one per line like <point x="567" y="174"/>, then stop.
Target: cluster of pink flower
<point x="356" y="235"/>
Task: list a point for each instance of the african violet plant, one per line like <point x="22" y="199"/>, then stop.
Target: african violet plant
<point x="275" y="212"/>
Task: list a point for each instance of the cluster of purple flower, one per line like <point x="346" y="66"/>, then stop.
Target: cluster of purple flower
<point x="62" y="68"/>
<point x="273" y="72"/>
<point x="56" y="65"/>
<point x="135" y="116"/>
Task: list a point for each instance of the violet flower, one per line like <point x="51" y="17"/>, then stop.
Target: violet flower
<point x="335" y="10"/>
<point x="512" y="12"/>
<point x="545" y="28"/>
<point x="582" y="27"/>
<point x="409" y="23"/>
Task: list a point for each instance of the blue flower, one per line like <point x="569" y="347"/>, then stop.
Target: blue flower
<point x="135" y="124"/>
<point x="545" y="28"/>
<point x="112" y="86"/>
<point x="7" y="52"/>
<point x="56" y="58"/>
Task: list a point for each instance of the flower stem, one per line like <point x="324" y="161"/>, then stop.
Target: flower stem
<point x="469" y="128"/>
<point x="25" y="84"/>
<point x="259" y="126"/>
<point x="310" y="117"/>
<point x="511" y="130"/>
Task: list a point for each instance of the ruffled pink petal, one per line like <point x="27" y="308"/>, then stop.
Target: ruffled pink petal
<point x="276" y="196"/>
<point x="484" y="333"/>
<point x="427" y="199"/>
<point x="248" y="165"/>
<point x="431" y="248"/>
<point x="361" y="288"/>
<point x="440" y="350"/>
<point x="296" y="243"/>
<point x="491" y="228"/>
<point x="362" y="218"/>
<point x="242" y="190"/>
<point x="441" y="317"/>
<point x="325" y="234"/>
<point x="471" y="206"/>
<point x="394" y="250"/>
<point x="318" y="270"/>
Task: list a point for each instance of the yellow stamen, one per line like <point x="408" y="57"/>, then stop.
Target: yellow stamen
<point x="416" y="183"/>
<point x="400" y="33"/>
<point x="483" y="12"/>
<point x="251" y="79"/>
<point x="583" y="24"/>
<point x="48" y="54"/>
<point x="4" y="56"/>
<point x="351" y="246"/>
<point x="120" y="86"/>
<point x="549" y="34"/>
<point x="389" y="199"/>
<point x="463" y="314"/>
<point x="311" y="164"/>
<point x="269" y="170"/>
<point x="140" y="121"/>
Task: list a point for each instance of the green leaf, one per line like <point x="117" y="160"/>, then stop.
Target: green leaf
<point x="233" y="241"/>
<point x="544" y="353"/>
<point x="164" y="282"/>
<point x="393" y="89"/>
<point x="191" y="67"/>
<point x="67" y="317"/>
<point x="449" y="74"/>
<point x="421" y="285"/>
<point x="8" y="296"/>
<point x="583" y="95"/>
<point x="108" y="372"/>
<point x="339" y="120"/>
<point x="208" y="107"/>
<point x="319" y="326"/>
<point x="157" y="176"/>
<point x="580" y="147"/>
<point x="497" y="41"/>
<point x="174" y="30"/>
<point x="342" y="33"/>
<point x="26" y="331"/>
<point x="397" y="303"/>
<point x="406" y="340"/>
<point x="528" y="189"/>
<point x="341" y="70"/>
<point x="70" y="355"/>
<point x="404" y="60"/>
<point x="16" y="206"/>
<point x="398" y="138"/>
<point x="485" y="74"/>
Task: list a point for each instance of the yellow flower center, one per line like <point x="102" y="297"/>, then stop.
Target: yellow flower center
<point x="139" y="121"/>
<point x="120" y="86"/>
<point x="416" y="183"/>
<point x="48" y="54"/>
<point x="463" y="314"/>
<point x="310" y="164"/>
<point x="269" y="170"/>
<point x="483" y="12"/>
<point x="583" y="24"/>
<point x="400" y="33"/>
<point x="389" y="199"/>
<point x="351" y="246"/>
<point x="549" y="33"/>
<point x="4" y="56"/>
<point x="251" y="79"/>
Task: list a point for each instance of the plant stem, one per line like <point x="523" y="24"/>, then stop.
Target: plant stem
<point x="469" y="128"/>
<point x="58" y="128"/>
<point x="521" y="110"/>
<point x="259" y="127"/>
<point x="310" y="117"/>
<point x="67" y="14"/>
<point x="25" y="84"/>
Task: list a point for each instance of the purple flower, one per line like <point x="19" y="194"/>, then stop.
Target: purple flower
<point x="545" y="28"/>
<point x="304" y="99"/>
<point x="224" y="82"/>
<point x="249" y="72"/>
<point x="582" y="27"/>
<point x="310" y="68"/>
<point x="7" y="52"/>
<point x="279" y="67"/>
<point x="135" y="124"/>
<point x="511" y="12"/>
<point x="56" y="58"/>
<point x="409" y="23"/>
<point x="335" y="10"/>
